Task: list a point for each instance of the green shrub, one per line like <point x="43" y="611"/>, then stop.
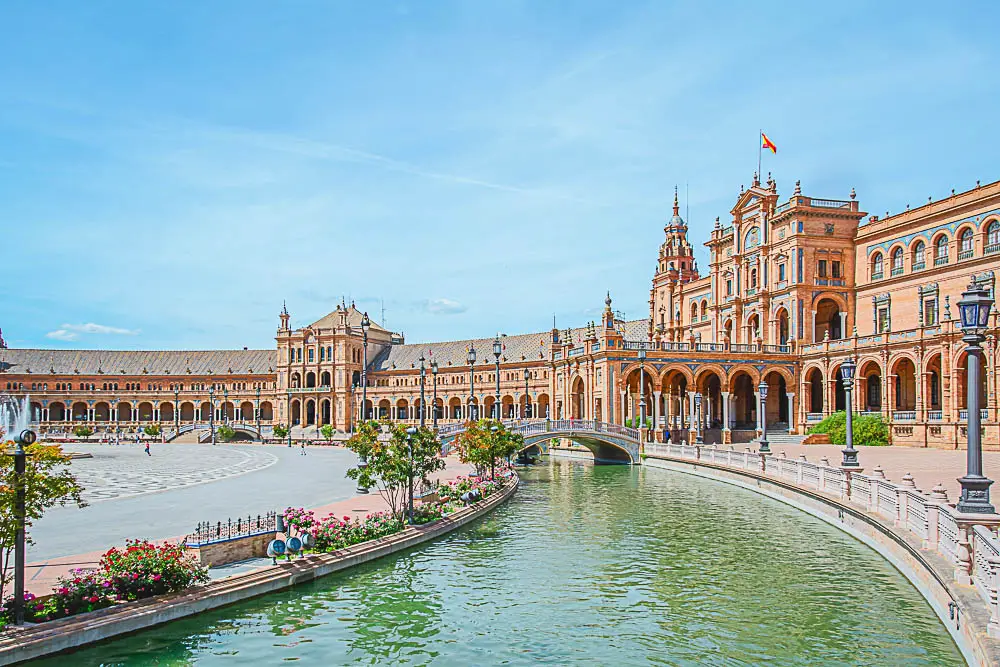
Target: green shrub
<point x="152" y="430"/>
<point x="83" y="431"/>
<point x="280" y="431"/>
<point x="869" y="430"/>
<point x="649" y="422"/>
<point x="225" y="433"/>
<point x="327" y="431"/>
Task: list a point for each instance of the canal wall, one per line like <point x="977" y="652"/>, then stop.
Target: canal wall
<point x="959" y="608"/>
<point x="22" y="644"/>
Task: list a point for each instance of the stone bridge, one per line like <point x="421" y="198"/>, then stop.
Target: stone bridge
<point x="202" y="433"/>
<point x="610" y="443"/>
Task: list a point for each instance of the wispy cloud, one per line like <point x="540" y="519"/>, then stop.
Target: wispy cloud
<point x="443" y="306"/>
<point x="71" y="332"/>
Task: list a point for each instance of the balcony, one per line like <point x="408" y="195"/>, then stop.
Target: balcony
<point x="963" y="415"/>
<point x="896" y="271"/>
<point x="991" y="249"/>
<point x="904" y="416"/>
<point x="918" y="266"/>
<point x="965" y="254"/>
<point x="814" y="416"/>
<point x="752" y="291"/>
<point x="877" y="276"/>
<point x="935" y="415"/>
<point x="940" y="261"/>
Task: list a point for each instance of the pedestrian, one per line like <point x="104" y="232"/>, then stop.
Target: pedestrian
<point x="147" y="449"/>
<point x="302" y="445"/>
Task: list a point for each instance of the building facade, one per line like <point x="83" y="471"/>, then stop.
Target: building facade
<point x="793" y="288"/>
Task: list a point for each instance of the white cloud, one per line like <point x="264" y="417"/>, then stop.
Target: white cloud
<point x="444" y="306"/>
<point x="71" y="332"/>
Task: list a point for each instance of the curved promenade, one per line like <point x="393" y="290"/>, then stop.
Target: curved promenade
<point x="951" y="558"/>
<point x="76" y="631"/>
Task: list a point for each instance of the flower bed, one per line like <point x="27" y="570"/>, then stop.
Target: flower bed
<point x="138" y="571"/>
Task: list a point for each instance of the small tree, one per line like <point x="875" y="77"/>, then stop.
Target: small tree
<point x="152" y="430"/>
<point x="225" y="432"/>
<point x="47" y="482"/>
<point x="392" y="463"/>
<point x="485" y="441"/>
<point x="83" y="431"/>
<point x="327" y="431"/>
<point x="280" y="431"/>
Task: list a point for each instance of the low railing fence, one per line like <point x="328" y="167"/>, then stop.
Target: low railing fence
<point x="966" y="542"/>
<point x="210" y="533"/>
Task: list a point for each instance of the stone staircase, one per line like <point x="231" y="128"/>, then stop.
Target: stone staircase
<point x="778" y="435"/>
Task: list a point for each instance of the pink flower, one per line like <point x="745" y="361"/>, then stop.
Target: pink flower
<point x="156" y="577"/>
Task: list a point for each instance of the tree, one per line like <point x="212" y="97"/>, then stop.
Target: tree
<point x="152" y="430"/>
<point x="83" y="431"/>
<point x="485" y="441"/>
<point x="392" y="464"/>
<point x="327" y="431"/>
<point x="47" y="482"/>
<point x="280" y="431"/>
<point x="225" y="432"/>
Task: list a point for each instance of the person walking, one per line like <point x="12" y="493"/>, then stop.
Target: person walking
<point x="147" y="449"/>
<point x="302" y="445"/>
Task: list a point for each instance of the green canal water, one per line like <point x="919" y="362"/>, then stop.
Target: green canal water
<point x="604" y="565"/>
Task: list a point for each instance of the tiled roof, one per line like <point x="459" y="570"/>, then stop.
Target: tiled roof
<point x="335" y="319"/>
<point x="522" y="348"/>
<point x="122" y="362"/>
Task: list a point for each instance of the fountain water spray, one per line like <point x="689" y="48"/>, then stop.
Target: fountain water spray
<point x="15" y="416"/>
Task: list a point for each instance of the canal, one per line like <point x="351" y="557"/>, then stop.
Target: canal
<point x="605" y="565"/>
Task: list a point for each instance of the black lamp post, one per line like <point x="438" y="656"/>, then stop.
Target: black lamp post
<point x="434" y="401"/>
<point x="975" y="312"/>
<point x="410" y="432"/>
<point x="697" y="412"/>
<point x="472" y="382"/>
<point x="365" y="325"/>
<point x="225" y="402"/>
<point x="642" y="389"/>
<point x="423" y="382"/>
<point x="497" y="350"/>
<point x="764" y="447"/>
<point x="527" y="408"/>
<point x="258" y="414"/>
<point x="290" y="417"/>
<point x="25" y="437"/>
<point x="177" y="411"/>
<point x="493" y="444"/>
<point x="211" y="411"/>
<point x="847" y="378"/>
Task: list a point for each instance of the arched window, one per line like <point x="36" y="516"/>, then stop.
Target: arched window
<point x="917" y="261"/>
<point x="704" y="310"/>
<point x="993" y="237"/>
<point x="941" y="250"/>
<point x="877" y="266"/>
<point x="694" y="312"/>
<point x="897" y="261"/>
<point x="965" y="244"/>
<point x="753" y="278"/>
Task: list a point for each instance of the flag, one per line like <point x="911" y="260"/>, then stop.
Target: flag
<point x="766" y="143"/>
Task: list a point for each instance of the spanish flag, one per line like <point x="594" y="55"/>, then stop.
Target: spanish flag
<point x="766" y="143"/>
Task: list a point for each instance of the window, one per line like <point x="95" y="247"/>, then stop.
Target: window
<point x="993" y="237"/>
<point x="781" y="272"/>
<point x="321" y="352"/>
<point x="897" y="261"/>
<point x="917" y="261"/>
<point x="729" y="287"/>
<point x="930" y="312"/>
<point x="753" y="278"/>
<point x="835" y="269"/>
<point x="941" y="250"/>
<point x="311" y="351"/>
<point x="329" y="353"/>
<point x="298" y="354"/>
<point x="883" y="320"/>
<point x="877" y="266"/>
<point x="822" y="268"/>
<point x="965" y="244"/>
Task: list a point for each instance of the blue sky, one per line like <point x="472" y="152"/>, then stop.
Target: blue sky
<point x="170" y="172"/>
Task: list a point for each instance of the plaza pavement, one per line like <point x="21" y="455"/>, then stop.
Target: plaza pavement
<point x="69" y="537"/>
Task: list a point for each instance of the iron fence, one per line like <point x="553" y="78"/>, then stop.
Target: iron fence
<point x="221" y="531"/>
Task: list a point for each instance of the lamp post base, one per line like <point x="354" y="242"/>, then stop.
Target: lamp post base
<point x="850" y="459"/>
<point x="764" y="447"/>
<point x="975" y="498"/>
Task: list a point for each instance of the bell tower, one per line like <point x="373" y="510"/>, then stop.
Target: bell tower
<point x="676" y="254"/>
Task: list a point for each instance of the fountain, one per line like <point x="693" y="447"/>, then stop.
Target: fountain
<point x="15" y="416"/>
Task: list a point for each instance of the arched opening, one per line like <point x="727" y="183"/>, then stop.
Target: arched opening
<point x="383" y="408"/>
<point x="228" y="411"/>
<point x="904" y="377"/>
<point x="709" y="385"/>
<point x="782" y="329"/>
<point x="102" y="412"/>
<point x="454" y="408"/>
<point x="776" y="403"/>
<point x="124" y="411"/>
<point x="932" y="386"/>
<point x="57" y="411"/>
<point x="918" y="258"/>
<point x="727" y="330"/>
<point x="325" y="414"/>
<point x="310" y="412"/>
<point x="507" y="403"/>
<point x="310" y="379"/>
<point x="166" y="412"/>
<point x="744" y="396"/>
<point x="877" y="266"/>
<point x="543" y="406"/>
<point x="941" y="250"/>
<point x="638" y="400"/>
<point x="871" y="376"/>
<point x="246" y="411"/>
<point x="145" y="412"/>
<point x="35" y="411"/>
<point x="187" y="411"/>
<point x="296" y="381"/>
<point x="753" y="328"/>
<point x="296" y="413"/>
<point x="402" y="409"/>
<point x="828" y="320"/>
<point x="992" y="244"/>
<point x="205" y="411"/>
<point x="437" y="409"/>
<point x="489" y="407"/>
<point x="577" y="399"/>
<point x="325" y="379"/>
<point x="966" y="243"/>
<point x="704" y="310"/>
<point x="897" y="261"/>
<point x="266" y="411"/>
<point x="814" y="391"/>
<point x="80" y="412"/>
<point x="673" y="413"/>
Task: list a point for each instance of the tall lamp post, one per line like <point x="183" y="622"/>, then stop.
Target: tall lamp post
<point x="697" y="412"/>
<point x="290" y="418"/>
<point x="25" y="437"/>
<point x="177" y="411"/>
<point x="847" y="378"/>
<point x="225" y="402"/>
<point x="472" y="382"/>
<point x="211" y="410"/>
<point x="527" y="407"/>
<point x="409" y="445"/>
<point x="642" y="389"/>
<point x="423" y="382"/>
<point x="257" y="411"/>
<point x="365" y="325"/>
<point x="764" y="447"/>
<point x="975" y="312"/>
<point x="497" y="350"/>
<point x="434" y="401"/>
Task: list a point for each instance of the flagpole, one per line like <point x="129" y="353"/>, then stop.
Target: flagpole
<point x="760" y="142"/>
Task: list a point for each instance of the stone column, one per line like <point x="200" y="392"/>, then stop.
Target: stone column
<point x="791" y="411"/>
<point x="624" y="410"/>
<point x="725" y="412"/>
<point x="692" y="423"/>
<point x="843" y="324"/>
<point x="656" y="411"/>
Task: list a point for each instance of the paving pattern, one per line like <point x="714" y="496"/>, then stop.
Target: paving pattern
<point x="122" y="471"/>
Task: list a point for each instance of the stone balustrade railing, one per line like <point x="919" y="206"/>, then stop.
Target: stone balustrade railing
<point x="969" y="543"/>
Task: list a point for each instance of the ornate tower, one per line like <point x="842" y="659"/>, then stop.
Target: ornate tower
<point x="676" y="255"/>
<point x="283" y="317"/>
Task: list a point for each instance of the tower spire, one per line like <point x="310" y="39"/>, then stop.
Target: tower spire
<point x="677" y="208"/>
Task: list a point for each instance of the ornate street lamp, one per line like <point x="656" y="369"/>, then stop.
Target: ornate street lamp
<point x="764" y="447"/>
<point x="434" y="402"/>
<point x="177" y="411"/>
<point x="211" y="411"/>
<point x="974" y="309"/>
<point x="497" y="350"/>
<point x="258" y="414"/>
<point x="642" y="389"/>
<point x="697" y="412"/>
<point x="847" y="378"/>
<point x="423" y="382"/>
<point x="225" y="402"/>
<point x="24" y="438"/>
<point x="290" y="417"/>
<point x="527" y="408"/>
<point x="472" y="382"/>
<point x="365" y="325"/>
